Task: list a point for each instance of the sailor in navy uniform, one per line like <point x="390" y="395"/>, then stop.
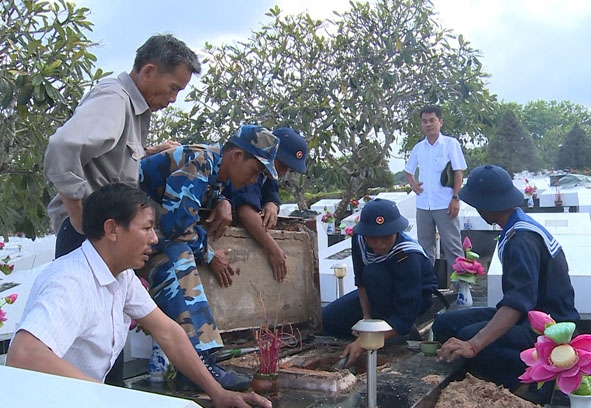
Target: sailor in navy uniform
<point x="394" y="277"/>
<point x="535" y="277"/>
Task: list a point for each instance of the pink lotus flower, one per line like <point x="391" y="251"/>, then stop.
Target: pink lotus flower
<point x="529" y="190"/>
<point x="539" y="321"/>
<point x="463" y="265"/>
<point x="567" y="360"/>
<point x="467" y="268"/>
<point x="467" y="244"/>
<point x="349" y="231"/>
<point x="10" y="299"/>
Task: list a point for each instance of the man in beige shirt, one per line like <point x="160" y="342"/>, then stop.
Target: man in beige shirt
<point x="105" y="138"/>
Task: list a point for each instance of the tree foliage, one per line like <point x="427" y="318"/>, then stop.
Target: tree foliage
<point x="512" y="146"/>
<point x="45" y="66"/>
<point x="351" y="85"/>
<point x="575" y="152"/>
<point x="175" y="124"/>
<point x="548" y="122"/>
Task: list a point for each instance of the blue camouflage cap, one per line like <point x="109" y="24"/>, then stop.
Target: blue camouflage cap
<point x="259" y="142"/>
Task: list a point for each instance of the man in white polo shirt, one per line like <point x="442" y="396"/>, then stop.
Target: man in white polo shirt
<point x="441" y="162"/>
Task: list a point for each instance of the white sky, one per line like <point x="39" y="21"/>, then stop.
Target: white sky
<point x="533" y="49"/>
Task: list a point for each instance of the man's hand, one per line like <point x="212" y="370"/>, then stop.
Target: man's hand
<point x="150" y="150"/>
<point x="454" y="348"/>
<point x="354" y="350"/>
<point x="220" y="266"/>
<point x="277" y="260"/>
<point x="269" y="214"/>
<point x="453" y="209"/>
<point x="219" y="219"/>
<point x="232" y="399"/>
<point x="417" y="187"/>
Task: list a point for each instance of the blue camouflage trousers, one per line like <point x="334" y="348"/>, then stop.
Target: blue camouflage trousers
<point x="176" y="288"/>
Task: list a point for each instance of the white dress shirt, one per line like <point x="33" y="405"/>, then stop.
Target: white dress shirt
<point x="82" y="312"/>
<point x="431" y="160"/>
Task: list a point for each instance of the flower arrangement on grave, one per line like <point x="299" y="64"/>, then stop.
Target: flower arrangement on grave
<point x="2" y="245"/>
<point x="353" y="204"/>
<point x="7" y="300"/>
<point x="366" y="198"/>
<point x="466" y="269"/>
<point x="327" y="217"/>
<point x="348" y="230"/>
<point x="557" y="356"/>
<point x="5" y="267"/>
<point x="530" y="189"/>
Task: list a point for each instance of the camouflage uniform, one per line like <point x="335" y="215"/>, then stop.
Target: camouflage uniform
<point x="182" y="180"/>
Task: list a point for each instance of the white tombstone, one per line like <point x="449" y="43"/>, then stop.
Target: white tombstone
<point x="26" y="388"/>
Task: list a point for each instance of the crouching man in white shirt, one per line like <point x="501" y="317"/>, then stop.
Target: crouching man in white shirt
<point x="77" y="316"/>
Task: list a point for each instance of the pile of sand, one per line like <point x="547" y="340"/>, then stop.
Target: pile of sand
<point x="474" y="393"/>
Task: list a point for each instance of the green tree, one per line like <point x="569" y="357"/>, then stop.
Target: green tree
<point x="352" y="86"/>
<point x="45" y="66"/>
<point x="575" y="152"/>
<point x="176" y="124"/>
<point x="549" y="122"/>
<point x="512" y="146"/>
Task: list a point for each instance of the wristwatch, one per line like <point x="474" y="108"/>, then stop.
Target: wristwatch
<point x="455" y="197"/>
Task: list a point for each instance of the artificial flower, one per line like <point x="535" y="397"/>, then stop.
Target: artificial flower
<point x="556" y="357"/>
<point x="467" y="268"/>
<point x="539" y="321"/>
<point x="10" y="299"/>
<point x="5" y="267"/>
<point x="7" y="300"/>
<point x="328" y="217"/>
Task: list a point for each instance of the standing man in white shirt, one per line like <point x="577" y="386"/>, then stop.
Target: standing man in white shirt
<point x="437" y="189"/>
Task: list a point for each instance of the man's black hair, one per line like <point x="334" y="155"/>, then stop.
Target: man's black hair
<point x="167" y="52"/>
<point x="115" y="201"/>
<point x="229" y="146"/>
<point x="432" y="109"/>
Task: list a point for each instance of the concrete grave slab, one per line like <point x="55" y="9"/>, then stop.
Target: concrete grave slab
<point x="295" y="300"/>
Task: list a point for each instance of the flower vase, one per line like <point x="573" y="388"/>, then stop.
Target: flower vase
<point x="330" y="227"/>
<point x="464" y="298"/>
<point x="580" y="401"/>
<point x="265" y="384"/>
<point x="158" y="363"/>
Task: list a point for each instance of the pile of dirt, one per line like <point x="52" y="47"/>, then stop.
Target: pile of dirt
<point x="475" y="393"/>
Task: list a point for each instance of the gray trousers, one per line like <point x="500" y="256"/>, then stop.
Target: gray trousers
<point x="449" y="232"/>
